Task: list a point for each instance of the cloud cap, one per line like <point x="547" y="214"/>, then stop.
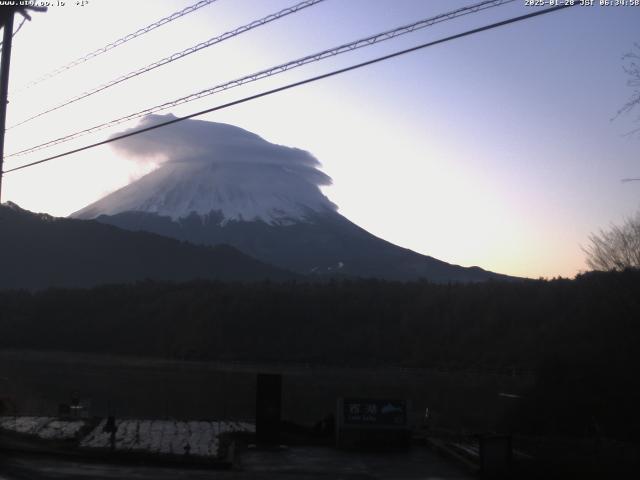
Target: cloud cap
<point x="207" y="166"/>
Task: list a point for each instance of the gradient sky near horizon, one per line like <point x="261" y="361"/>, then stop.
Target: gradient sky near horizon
<point x="496" y="150"/>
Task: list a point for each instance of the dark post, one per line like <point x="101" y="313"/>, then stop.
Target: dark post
<point x="4" y="80"/>
<point x="268" y="408"/>
<point x="496" y="456"/>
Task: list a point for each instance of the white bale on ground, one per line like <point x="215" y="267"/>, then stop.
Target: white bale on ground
<point x="60" y="429"/>
<point x="27" y="425"/>
<point x="98" y="438"/>
<point x="165" y="436"/>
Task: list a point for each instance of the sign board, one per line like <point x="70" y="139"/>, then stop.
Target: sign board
<point x="372" y="423"/>
<point x="374" y="412"/>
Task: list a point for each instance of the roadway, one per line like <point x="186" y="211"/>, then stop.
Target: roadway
<point x="300" y="463"/>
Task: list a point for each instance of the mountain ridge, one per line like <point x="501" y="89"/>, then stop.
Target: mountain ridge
<point x="40" y="251"/>
<point x="325" y="244"/>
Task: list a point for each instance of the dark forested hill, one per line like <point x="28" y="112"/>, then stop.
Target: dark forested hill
<point x="579" y="337"/>
<point x="40" y="251"/>
<point x="488" y="325"/>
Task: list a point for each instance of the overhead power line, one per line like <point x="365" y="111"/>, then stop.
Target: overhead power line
<point x="178" y="55"/>
<point x="24" y="19"/>
<point x="118" y="42"/>
<point x="297" y="84"/>
<point x="347" y="47"/>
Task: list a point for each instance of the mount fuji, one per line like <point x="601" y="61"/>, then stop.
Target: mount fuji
<point x="220" y="184"/>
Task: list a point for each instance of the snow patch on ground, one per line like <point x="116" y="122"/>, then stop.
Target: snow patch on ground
<point x="149" y="436"/>
<point x="47" y="428"/>
<point x="165" y="436"/>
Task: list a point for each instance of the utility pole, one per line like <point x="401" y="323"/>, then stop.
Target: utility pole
<point x="7" y="22"/>
<point x="7" y="14"/>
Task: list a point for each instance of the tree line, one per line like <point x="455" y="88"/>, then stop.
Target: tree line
<point x="491" y="324"/>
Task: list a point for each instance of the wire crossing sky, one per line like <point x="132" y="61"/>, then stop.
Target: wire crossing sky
<point x="494" y="150"/>
<point x="315" y="57"/>
<point x="16" y="30"/>
<point x="118" y="42"/>
<point x="178" y="55"/>
<point x="297" y="84"/>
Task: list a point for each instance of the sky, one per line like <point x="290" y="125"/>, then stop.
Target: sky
<point x="497" y="149"/>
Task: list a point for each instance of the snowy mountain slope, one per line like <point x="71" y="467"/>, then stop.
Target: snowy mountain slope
<point x="209" y="167"/>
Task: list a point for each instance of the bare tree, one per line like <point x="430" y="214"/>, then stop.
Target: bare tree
<point x="631" y="67"/>
<point x="617" y="248"/>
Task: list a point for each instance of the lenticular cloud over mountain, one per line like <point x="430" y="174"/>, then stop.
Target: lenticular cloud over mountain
<point x="214" y="167"/>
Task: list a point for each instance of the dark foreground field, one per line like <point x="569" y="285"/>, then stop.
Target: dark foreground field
<point x="461" y="405"/>
<point x="305" y="463"/>
<point x="151" y="388"/>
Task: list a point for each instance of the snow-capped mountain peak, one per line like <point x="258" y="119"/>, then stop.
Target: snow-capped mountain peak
<point x="207" y="167"/>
